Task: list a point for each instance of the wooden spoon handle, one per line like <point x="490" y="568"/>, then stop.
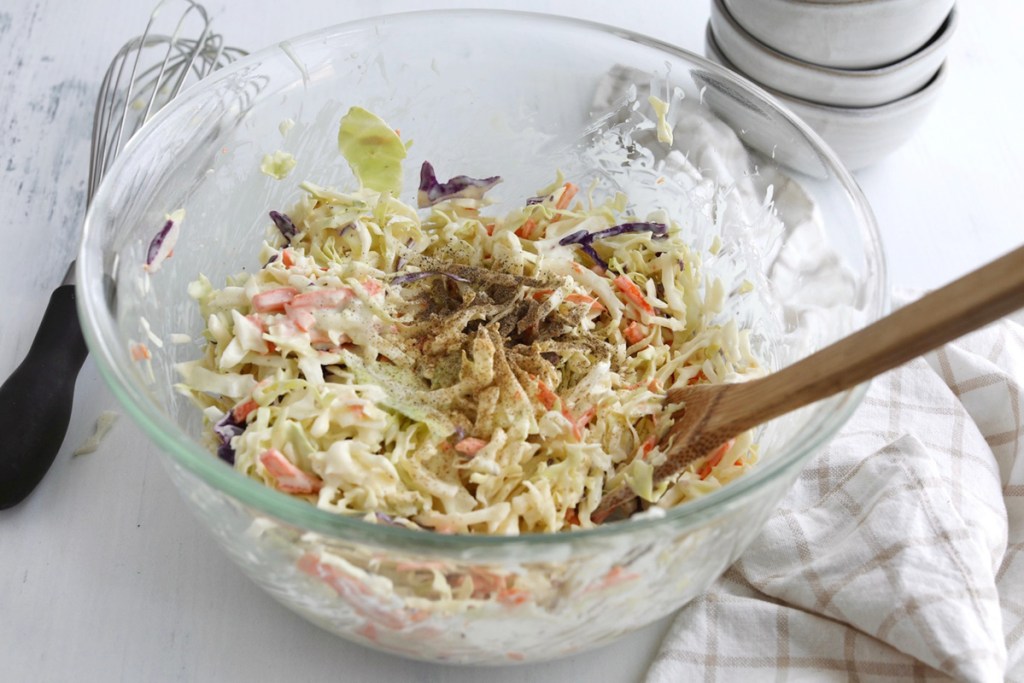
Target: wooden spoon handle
<point x="964" y="305"/>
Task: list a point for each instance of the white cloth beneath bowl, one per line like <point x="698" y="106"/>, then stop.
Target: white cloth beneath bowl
<point x="899" y="553"/>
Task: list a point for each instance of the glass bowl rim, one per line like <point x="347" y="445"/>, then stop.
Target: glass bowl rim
<point x="100" y="330"/>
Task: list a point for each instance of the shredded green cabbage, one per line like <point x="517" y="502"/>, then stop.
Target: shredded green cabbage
<point x="460" y="372"/>
<point x="278" y="165"/>
<point x="373" y="150"/>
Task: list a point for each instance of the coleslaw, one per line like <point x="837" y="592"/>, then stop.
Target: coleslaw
<point x="444" y="369"/>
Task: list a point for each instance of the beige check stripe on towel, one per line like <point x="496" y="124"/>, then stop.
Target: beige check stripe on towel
<point x="899" y="553"/>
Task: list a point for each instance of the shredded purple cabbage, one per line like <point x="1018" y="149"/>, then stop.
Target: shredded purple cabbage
<point x="589" y="250"/>
<point x="406" y="278"/>
<point x="586" y="239"/>
<point x="530" y="201"/>
<point x="659" y="230"/>
<point x="284" y="224"/>
<point x="431" y="192"/>
<point x="226" y="429"/>
<point x="578" y="237"/>
<point x="388" y="520"/>
<point x="157" y="242"/>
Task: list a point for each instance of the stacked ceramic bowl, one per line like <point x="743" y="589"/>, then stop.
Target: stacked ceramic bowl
<point x="863" y="73"/>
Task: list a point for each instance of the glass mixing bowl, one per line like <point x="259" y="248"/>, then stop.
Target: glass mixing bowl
<point x="480" y="93"/>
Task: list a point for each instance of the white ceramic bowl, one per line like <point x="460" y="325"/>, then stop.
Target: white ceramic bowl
<point x="823" y="84"/>
<point x="853" y="34"/>
<point x="860" y="136"/>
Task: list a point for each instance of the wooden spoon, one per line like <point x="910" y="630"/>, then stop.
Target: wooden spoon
<point x="711" y="414"/>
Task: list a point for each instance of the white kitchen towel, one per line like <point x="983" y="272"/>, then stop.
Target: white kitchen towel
<point x="899" y="553"/>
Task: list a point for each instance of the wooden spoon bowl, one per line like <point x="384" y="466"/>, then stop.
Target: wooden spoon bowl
<point x="711" y="414"/>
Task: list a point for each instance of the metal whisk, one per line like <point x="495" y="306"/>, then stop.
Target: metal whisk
<point x="148" y="72"/>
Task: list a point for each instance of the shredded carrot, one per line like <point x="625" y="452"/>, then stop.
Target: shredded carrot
<point x="579" y="423"/>
<point x="634" y="333"/>
<point x="569" y="191"/>
<point x="353" y="591"/>
<point x="575" y="430"/>
<point x="526" y="229"/>
<point x="617" y="574"/>
<point x="368" y="631"/>
<point x="489" y="228"/>
<point x="470" y="445"/>
<point x="417" y="566"/>
<point x="512" y="596"/>
<point x="320" y="340"/>
<point x="318" y="336"/>
<point x="273" y="300"/>
<point x="140" y="352"/>
<point x="648" y="445"/>
<point x="715" y="458"/>
<point x="572" y="518"/>
<point x="485" y="583"/>
<point x="258" y="321"/>
<point x="577" y="298"/>
<point x="699" y="377"/>
<point x="633" y="294"/>
<point x="547" y="397"/>
<point x="417" y="615"/>
<point x="289" y="478"/>
<point x="286" y="258"/>
<point x="372" y="286"/>
<point x="542" y="294"/>
<point x="302" y="317"/>
<point x="242" y="410"/>
<point x="320" y="298"/>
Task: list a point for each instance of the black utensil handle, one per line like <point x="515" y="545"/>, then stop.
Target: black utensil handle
<point x="35" y="401"/>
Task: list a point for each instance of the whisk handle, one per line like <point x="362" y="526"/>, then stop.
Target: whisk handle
<point x="35" y="401"/>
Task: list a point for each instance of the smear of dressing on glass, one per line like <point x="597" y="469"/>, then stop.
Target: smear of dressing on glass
<point x="286" y="48"/>
<point x="661" y="109"/>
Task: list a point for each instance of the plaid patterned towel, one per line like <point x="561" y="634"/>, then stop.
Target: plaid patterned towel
<point x="899" y="554"/>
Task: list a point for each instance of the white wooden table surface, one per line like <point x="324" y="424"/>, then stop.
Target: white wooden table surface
<point x="104" y="575"/>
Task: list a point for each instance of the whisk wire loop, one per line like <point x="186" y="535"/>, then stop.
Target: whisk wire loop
<point x="148" y="72"/>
